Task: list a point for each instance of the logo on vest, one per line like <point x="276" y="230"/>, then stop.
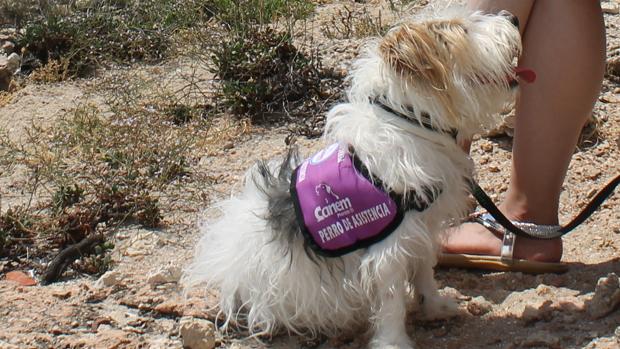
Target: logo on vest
<point x="336" y="206"/>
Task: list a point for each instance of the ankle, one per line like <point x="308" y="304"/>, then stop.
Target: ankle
<point x="522" y="210"/>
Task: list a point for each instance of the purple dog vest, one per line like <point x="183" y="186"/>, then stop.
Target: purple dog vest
<point x="339" y="208"/>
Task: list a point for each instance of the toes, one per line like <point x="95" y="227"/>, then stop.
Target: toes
<point x="390" y="345"/>
<point x="440" y="307"/>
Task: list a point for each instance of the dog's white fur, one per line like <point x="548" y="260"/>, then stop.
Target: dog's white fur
<point x="271" y="282"/>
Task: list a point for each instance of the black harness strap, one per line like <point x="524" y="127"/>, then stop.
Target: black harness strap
<point x="485" y="201"/>
<point x="424" y="121"/>
<point x="406" y="202"/>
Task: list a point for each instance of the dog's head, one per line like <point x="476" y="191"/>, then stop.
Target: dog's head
<point x="457" y="66"/>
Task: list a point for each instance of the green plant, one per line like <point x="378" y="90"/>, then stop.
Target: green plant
<point x="262" y="72"/>
<point x="238" y="15"/>
<point x="66" y="196"/>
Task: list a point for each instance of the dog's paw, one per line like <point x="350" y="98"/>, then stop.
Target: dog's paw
<point x="384" y="344"/>
<point x="439" y="307"/>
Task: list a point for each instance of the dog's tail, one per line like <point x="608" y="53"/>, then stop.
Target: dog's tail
<point x="239" y="235"/>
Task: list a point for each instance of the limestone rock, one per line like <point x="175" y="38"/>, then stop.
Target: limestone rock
<point x="610" y="8"/>
<point x="109" y="279"/>
<point x="606" y="297"/>
<point x="7" y="47"/>
<point x="167" y="274"/>
<point x="197" y="333"/>
<point x="8" y="67"/>
<point x="528" y="306"/>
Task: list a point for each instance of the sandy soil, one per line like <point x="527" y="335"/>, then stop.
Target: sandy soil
<point x="139" y="303"/>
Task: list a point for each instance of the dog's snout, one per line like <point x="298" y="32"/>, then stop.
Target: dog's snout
<point x="512" y="18"/>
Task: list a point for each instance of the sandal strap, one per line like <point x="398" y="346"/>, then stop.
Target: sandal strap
<point x="508" y="246"/>
<point x="509" y="238"/>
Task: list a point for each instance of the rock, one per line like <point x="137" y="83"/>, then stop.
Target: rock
<point x="610" y="98"/>
<point x="173" y="308"/>
<point x="613" y="63"/>
<point x="8" y="67"/>
<point x="487" y="147"/>
<point x="505" y="128"/>
<point x="197" y="333"/>
<point x="167" y="274"/>
<point x="6" y="345"/>
<point x="479" y="306"/>
<point x="109" y="279"/>
<point x="21" y="278"/>
<point x="610" y="8"/>
<point x="141" y="244"/>
<point x="606" y="297"/>
<point x="8" y="47"/>
<point x="569" y="304"/>
<point x="62" y="294"/>
<point x="528" y="306"/>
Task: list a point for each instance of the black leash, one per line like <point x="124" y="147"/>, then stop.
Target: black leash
<point x="485" y="201"/>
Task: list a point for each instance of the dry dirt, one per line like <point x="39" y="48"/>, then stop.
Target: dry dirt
<point x="139" y="304"/>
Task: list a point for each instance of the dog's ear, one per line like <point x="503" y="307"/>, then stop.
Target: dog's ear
<point x="424" y="54"/>
<point x="412" y="51"/>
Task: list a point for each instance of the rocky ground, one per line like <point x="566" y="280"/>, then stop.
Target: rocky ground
<point x="140" y="304"/>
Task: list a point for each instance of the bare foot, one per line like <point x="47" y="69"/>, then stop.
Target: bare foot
<point x="473" y="238"/>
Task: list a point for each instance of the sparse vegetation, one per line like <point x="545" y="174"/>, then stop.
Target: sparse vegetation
<point x="347" y="23"/>
<point x="83" y="34"/>
<point x="100" y="167"/>
<point x="238" y="15"/>
<point x="92" y="171"/>
<point x="262" y="72"/>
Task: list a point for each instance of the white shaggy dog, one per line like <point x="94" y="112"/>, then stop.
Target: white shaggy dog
<point x="410" y="92"/>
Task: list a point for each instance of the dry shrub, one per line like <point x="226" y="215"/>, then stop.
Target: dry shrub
<point x="5" y="98"/>
<point x="53" y="71"/>
<point x="348" y="23"/>
<point x="100" y="167"/>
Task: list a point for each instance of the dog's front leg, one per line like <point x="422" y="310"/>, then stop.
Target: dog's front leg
<point x="389" y="316"/>
<point x="434" y="305"/>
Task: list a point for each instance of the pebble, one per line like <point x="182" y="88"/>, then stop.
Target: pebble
<point x="197" y="333"/>
<point x="109" y="279"/>
<point x="487" y="147"/>
<point x="167" y="274"/>
<point x="479" y="306"/>
<point x="8" y="47"/>
<point x="610" y="8"/>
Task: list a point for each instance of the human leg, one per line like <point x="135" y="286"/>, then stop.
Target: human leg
<point x="564" y="42"/>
